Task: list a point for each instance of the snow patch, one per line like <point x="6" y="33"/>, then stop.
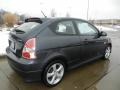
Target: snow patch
<point x="102" y="28"/>
<point x="3" y="42"/>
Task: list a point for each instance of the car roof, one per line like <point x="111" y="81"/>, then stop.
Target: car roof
<point x="42" y="20"/>
<point x="64" y="18"/>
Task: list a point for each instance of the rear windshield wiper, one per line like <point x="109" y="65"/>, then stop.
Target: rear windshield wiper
<point x="18" y="31"/>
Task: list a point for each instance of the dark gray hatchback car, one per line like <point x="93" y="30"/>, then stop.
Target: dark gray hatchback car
<point x="43" y="49"/>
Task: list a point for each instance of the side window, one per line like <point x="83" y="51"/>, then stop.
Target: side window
<point x="85" y="28"/>
<point x="65" y="27"/>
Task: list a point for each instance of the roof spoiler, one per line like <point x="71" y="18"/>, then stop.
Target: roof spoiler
<point x="38" y="20"/>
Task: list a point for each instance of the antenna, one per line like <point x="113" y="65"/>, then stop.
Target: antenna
<point x="43" y="14"/>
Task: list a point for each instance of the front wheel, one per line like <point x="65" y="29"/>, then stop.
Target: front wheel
<point x="107" y="53"/>
<point x="53" y="73"/>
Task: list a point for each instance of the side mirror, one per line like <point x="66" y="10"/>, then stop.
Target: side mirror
<point x="102" y="33"/>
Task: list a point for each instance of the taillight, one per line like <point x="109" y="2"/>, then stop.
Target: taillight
<point x="29" y="49"/>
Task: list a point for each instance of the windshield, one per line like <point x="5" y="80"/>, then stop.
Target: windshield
<point x="26" y="27"/>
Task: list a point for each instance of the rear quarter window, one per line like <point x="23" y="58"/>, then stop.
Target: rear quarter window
<point x="64" y="27"/>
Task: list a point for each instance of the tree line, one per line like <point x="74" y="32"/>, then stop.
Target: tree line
<point x="9" y="19"/>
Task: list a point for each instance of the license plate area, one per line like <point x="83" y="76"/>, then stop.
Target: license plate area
<point x="12" y="45"/>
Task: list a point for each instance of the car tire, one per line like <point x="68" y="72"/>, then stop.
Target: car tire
<point x="107" y="53"/>
<point x="53" y="73"/>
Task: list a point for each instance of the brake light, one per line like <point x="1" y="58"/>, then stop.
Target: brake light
<point x="29" y="49"/>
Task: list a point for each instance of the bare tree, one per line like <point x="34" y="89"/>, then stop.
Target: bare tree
<point x="53" y="13"/>
<point x="23" y="17"/>
<point x="2" y="12"/>
<point x="1" y="20"/>
<point x="67" y="14"/>
<point x="10" y="19"/>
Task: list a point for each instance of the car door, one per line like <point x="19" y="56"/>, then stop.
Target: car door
<point x="68" y="38"/>
<point x="89" y="37"/>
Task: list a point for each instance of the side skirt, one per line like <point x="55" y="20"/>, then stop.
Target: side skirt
<point x="82" y="63"/>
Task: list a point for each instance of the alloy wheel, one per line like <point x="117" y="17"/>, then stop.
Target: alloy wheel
<point x="55" y="73"/>
<point x="107" y="52"/>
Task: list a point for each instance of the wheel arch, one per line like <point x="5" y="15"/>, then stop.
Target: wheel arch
<point x="60" y="57"/>
<point x="54" y="57"/>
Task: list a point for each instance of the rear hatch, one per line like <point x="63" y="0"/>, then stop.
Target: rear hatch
<point x="21" y="34"/>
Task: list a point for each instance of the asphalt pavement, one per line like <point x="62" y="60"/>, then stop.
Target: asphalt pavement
<point x="97" y="75"/>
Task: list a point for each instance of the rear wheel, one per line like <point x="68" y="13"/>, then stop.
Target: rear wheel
<point x="107" y="53"/>
<point x="53" y="73"/>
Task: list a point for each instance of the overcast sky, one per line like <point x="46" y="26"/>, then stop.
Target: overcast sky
<point x="98" y="9"/>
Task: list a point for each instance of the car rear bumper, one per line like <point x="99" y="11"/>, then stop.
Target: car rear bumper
<point x="29" y="70"/>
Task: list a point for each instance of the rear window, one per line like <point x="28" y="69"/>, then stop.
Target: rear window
<point x="26" y="27"/>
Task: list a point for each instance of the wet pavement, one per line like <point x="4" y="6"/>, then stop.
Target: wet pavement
<point x="97" y="75"/>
